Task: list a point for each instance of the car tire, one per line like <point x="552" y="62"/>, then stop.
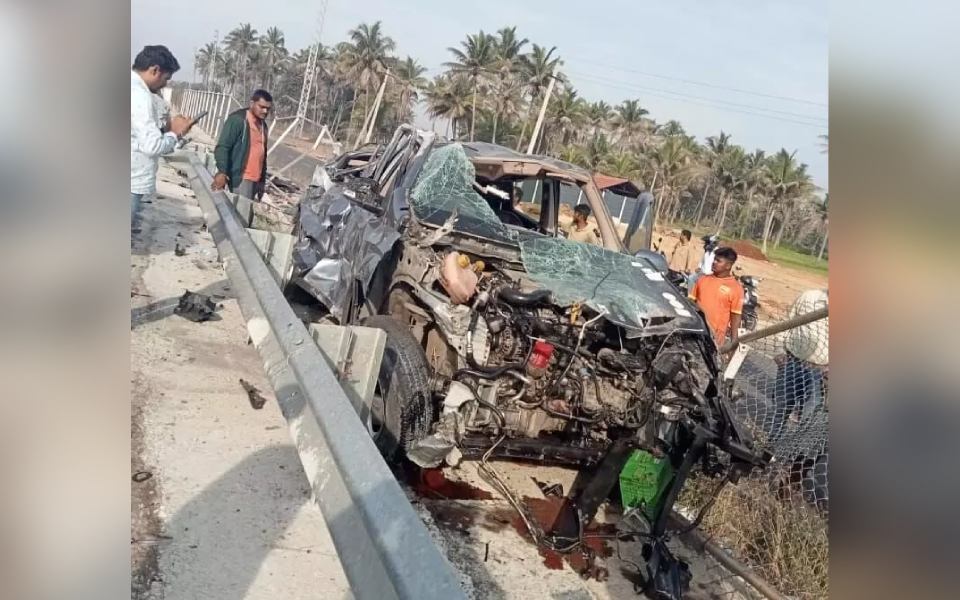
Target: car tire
<point x="402" y="395"/>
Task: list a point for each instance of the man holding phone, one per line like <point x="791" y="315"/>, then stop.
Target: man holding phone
<point x="150" y="134"/>
<point x="241" y="151"/>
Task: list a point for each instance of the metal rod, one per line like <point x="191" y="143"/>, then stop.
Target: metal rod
<point x="810" y="317"/>
<point x="697" y="539"/>
<point x="282" y="136"/>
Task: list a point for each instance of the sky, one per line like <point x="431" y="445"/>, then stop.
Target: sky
<point x="756" y="69"/>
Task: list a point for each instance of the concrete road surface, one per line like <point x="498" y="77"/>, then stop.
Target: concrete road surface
<point x="224" y="512"/>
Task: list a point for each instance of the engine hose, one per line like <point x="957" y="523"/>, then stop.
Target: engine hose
<point x="477" y="369"/>
<point x="517" y="298"/>
<point x="555" y="413"/>
<point x="502" y="420"/>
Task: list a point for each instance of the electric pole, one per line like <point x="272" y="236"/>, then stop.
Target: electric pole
<point x="310" y="73"/>
<point x="543" y="111"/>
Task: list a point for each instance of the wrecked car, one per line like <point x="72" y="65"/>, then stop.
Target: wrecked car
<point x="505" y="340"/>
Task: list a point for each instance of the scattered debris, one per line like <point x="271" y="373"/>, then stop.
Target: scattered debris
<point x="257" y="400"/>
<point x="141" y="476"/>
<point x="196" y="307"/>
<point x="549" y="489"/>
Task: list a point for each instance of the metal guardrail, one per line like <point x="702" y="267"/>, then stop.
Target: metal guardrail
<point x="383" y="546"/>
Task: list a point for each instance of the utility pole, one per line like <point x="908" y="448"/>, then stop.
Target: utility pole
<point x="543" y="111"/>
<point x="310" y="73"/>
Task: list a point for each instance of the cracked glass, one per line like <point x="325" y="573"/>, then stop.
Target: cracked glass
<point x="445" y="187"/>
<point x="628" y="289"/>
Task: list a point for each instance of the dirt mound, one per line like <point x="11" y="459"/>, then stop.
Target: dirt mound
<point x="748" y="249"/>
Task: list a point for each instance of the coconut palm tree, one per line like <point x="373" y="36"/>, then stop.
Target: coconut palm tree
<point x="448" y="97"/>
<point x="599" y="114"/>
<point x="536" y="69"/>
<point x="506" y="65"/>
<point x="242" y="42"/>
<point x="629" y="121"/>
<point x="364" y="58"/>
<point x="272" y="51"/>
<point x="788" y="180"/>
<point x="474" y="61"/>
<point x="410" y="79"/>
<point x="622" y="164"/>
<point x="204" y="61"/>
<point x="825" y="216"/>
<point x="567" y="116"/>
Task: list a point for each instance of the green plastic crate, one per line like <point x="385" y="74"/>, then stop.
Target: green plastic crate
<point x="643" y="479"/>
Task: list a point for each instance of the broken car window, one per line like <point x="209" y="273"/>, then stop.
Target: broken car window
<point x="627" y="288"/>
<point x="445" y="185"/>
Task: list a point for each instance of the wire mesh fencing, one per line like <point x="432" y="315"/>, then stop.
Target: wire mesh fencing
<point x="776" y="520"/>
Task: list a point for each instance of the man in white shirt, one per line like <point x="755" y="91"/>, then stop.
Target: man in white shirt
<point x="802" y="369"/>
<point x="150" y="135"/>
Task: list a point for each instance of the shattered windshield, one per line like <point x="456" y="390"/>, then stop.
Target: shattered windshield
<point x="629" y="289"/>
<point x="445" y="186"/>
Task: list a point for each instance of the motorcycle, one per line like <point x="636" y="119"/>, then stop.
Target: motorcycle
<point x="751" y="301"/>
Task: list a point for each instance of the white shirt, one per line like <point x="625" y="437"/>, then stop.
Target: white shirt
<point x="810" y="342"/>
<point x="147" y="143"/>
<point x="706" y="265"/>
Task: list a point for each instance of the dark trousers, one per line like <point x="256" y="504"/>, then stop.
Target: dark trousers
<point x="798" y="382"/>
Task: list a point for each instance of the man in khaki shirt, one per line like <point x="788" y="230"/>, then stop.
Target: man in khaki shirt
<point x="682" y="259"/>
<point x="580" y="230"/>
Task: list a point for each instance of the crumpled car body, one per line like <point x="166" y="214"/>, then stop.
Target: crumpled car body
<point x="535" y="347"/>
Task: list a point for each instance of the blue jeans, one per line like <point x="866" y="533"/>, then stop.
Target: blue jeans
<point x="135" y="205"/>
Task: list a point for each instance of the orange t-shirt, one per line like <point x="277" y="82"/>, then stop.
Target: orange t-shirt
<point x="718" y="297"/>
<point x="258" y="149"/>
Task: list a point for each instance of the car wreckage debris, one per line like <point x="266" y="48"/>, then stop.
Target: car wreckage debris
<point x="257" y="400"/>
<point x="539" y="348"/>
<point x="196" y="307"/>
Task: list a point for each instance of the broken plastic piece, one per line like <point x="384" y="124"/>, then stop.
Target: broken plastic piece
<point x="196" y="307"/>
<point x="460" y="283"/>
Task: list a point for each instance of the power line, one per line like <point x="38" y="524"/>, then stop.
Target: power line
<point x="700" y="83"/>
<point x="717" y="104"/>
<point x="707" y="99"/>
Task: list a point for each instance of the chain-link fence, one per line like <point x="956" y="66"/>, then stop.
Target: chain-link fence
<point x="776" y="520"/>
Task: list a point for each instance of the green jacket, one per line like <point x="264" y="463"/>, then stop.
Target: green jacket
<point x="233" y="147"/>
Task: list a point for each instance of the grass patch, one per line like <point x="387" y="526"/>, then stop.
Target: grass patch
<point x="792" y="258"/>
<point x="782" y="539"/>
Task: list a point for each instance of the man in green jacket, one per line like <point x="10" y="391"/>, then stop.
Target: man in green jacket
<point x="241" y="151"/>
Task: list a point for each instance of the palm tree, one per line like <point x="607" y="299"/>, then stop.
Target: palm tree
<point x="204" y="61"/>
<point x="409" y="76"/>
<point x="448" y="97"/>
<point x="671" y="128"/>
<point x="597" y="153"/>
<point x="622" y="164"/>
<point x="825" y="216"/>
<point x="717" y="147"/>
<point x="788" y="181"/>
<point x="474" y="61"/>
<point x="242" y="42"/>
<point x="364" y="58"/>
<point x="506" y="98"/>
<point x="273" y="51"/>
<point x="536" y="69"/>
<point x="629" y="121"/>
<point x="567" y="115"/>
<point x="598" y="113"/>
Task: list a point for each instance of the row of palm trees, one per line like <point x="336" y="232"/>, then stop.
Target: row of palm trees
<point x="492" y="89"/>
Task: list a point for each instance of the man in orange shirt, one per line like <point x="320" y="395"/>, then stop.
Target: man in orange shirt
<point x="720" y="297"/>
<point x="241" y="151"/>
